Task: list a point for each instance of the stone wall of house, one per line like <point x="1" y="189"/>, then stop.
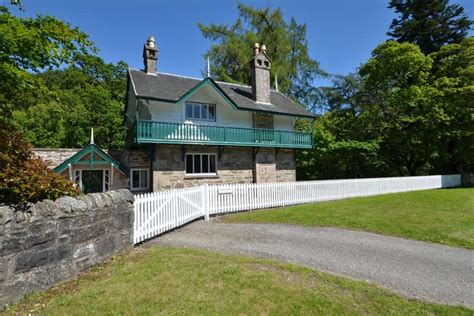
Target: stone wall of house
<point x="285" y="165"/>
<point x="131" y="158"/>
<point x="235" y="166"/>
<point x="54" y="241"/>
<point x="265" y="165"/>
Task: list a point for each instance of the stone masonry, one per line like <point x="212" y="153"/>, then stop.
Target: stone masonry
<point x="235" y="166"/>
<point x="265" y="166"/>
<point x="285" y="165"/>
<point x="131" y="158"/>
<point x="54" y="241"/>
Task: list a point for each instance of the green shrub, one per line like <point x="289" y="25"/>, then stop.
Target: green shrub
<point x="25" y="177"/>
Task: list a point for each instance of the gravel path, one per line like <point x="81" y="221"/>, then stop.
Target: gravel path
<point x="415" y="269"/>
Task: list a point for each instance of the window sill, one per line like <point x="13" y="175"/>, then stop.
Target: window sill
<point x="138" y="190"/>
<point x="201" y="176"/>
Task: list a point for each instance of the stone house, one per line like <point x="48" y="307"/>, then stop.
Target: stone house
<point x="183" y="131"/>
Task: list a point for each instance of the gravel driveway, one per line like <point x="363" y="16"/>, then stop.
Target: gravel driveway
<point x="415" y="269"/>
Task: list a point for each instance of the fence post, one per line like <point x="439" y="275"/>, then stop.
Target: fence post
<point x="175" y="207"/>
<point x="205" y="201"/>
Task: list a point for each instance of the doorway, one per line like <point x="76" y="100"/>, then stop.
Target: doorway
<point x="93" y="181"/>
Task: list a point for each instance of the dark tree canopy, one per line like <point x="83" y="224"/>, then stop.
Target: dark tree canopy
<point x="430" y="24"/>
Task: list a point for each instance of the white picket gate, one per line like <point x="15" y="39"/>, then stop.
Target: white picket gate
<point x="158" y="212"/>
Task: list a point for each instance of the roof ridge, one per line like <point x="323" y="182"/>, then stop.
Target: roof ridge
<point x="200" y="79"/>
<point x="179" y="76"/>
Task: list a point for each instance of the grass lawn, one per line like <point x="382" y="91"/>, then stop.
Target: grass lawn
<point x="441" y="216"/>
<point x="166" y="281"/>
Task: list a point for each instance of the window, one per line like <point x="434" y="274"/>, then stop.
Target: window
<point x="138" y="179"/>
<point x="201" y="164"/>
<point x="200" y="111"/>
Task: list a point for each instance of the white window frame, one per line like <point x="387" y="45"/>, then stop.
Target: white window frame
<point x="201" y="174"/>
<point x="201" y="104"/>
<point x="139" y="188"/>
<point x="105" y="173"/>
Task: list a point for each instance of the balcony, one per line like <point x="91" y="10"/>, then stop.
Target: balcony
<point x="180" y="133"/>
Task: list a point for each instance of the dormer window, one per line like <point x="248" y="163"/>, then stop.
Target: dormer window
<point x="200" y="111"/>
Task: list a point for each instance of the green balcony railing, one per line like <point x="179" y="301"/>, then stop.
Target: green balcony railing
<point x="178" y="133"/>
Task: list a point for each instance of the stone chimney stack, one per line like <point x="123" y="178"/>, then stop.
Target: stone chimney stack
<point x="150" y="55"/>
<point x="260" y="66"/>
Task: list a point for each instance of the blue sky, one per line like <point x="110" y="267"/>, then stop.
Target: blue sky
<point x="341" y="33"/>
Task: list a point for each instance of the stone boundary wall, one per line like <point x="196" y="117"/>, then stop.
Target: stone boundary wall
<point x="53" y="241"/>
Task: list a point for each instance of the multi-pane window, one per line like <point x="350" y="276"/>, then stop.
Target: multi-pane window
<point x="139" y="179"/>
<point x="201" y="164"/>
<point x="200" y="111"/>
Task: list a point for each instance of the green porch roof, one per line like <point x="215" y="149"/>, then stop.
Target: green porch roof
<point x="93" y="150"/>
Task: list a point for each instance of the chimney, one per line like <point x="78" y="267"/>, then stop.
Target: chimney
<point x="150" y="55"/>
<point x="260" y="66"/>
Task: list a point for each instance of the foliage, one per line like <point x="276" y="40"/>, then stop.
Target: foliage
<point x="430" y="24"/>
<point x="54" y="89"/>
<point x="403" y="113"/>
<point x="90" y="93"/>
<point x="165" y="280"/>
<point x="24" y="177"/>
<point x="286" y="44"/>
<point x="440" y="216"/>
<point x="30" y="45"/>
<point x="452" y="80"/>
<point x="334" y="156"/>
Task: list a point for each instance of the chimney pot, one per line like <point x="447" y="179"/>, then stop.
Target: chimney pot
<point x="151" y="41"/>
<point x="260" y="66"/>
<point x="256" y="48"/>
<point x="150" y="55"/>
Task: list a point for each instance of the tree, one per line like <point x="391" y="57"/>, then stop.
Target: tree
<point x="286" y="46"/>
<point x="28" y="46"/>
<point x="89" y="93"/>
<point x="430" y="24"/>
<point x="404" y="113"/>
<point x="452" y="79"/>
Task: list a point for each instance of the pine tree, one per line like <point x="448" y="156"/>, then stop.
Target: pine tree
<point x="286" y="44"/>
<point x="430" y="24"/>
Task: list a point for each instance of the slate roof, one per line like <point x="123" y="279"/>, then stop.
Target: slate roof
<point x="168" y="87"/>
<point x="55" y="156"/>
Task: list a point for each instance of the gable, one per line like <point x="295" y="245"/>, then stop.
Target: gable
<point x="174" y="89"/>
<point x="91" y="155"/>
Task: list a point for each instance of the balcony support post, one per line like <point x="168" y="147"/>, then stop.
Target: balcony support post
<point x="255" y="152"/>
<point x="221" y="151"/>
<point x="183" y="152"/>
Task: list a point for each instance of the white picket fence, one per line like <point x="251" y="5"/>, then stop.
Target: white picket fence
<point x="158" y="212"/>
